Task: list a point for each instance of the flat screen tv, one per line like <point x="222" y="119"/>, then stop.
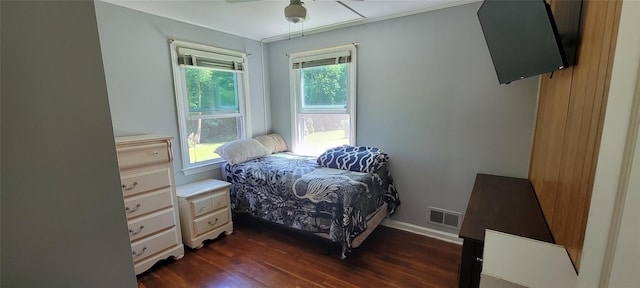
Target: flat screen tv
<point x="522" y="38"/>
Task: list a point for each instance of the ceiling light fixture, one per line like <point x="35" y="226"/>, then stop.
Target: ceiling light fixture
<point x="295" y="12"/>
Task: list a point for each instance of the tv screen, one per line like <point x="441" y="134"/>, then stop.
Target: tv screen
<point x="522" y="38"/>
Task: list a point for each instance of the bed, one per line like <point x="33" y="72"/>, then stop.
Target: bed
<point x="296" y="191"/>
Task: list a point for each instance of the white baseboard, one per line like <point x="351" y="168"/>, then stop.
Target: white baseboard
<point x="440" y="235"/>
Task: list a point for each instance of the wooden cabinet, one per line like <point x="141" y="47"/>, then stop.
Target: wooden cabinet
<point x="146" y="174"/>
<point x="502" y="204"/>
<point x="205" y="211"/>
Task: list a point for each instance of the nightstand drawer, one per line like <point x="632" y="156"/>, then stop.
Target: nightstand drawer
<point x="219" y="200"/>
<point x="154" y="244"/>
<point x="201" y="206"/>
<point x="212" y="221"/>
<point x="145" y="203"/>
<point x="208" y="203"/>
<point x="142" y="155"/>
<point x="149" y="224"/>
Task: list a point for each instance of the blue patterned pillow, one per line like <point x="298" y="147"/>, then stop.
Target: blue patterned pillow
<point x="354" y="158"/>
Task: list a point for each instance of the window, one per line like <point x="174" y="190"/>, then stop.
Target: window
<point x="210" y="96"/>
<point x="323" y="95"/>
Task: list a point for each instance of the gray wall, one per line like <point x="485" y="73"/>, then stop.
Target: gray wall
<point x="427" y="95"/>
<point x="0" y="142"/>
<point x="62" y="211"/>
<point x="135" y="49"/>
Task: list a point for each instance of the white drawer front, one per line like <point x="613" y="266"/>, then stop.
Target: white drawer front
<point x="219" y="200"/>
<point x="143" y="226"/>
<point x="208" y="203"/>
<point x="212" y="221"/>
<point x="142" y="181"/>
<point x="154" y="244"/>
<point x="137" y="156"/>
<point x="145" y="203"/>
<point x="201" y="206"/>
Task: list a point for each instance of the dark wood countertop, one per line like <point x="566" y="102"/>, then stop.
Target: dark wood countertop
<point x="504" y="204"/>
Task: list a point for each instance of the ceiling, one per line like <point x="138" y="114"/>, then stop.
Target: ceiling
<point x="263" y="20"/>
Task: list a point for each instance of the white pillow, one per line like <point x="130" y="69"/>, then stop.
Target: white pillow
<point x="273" y="142"/>
<point x="242" y="150"/>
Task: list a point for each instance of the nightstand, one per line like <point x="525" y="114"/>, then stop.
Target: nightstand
<point x="205" y="211"/>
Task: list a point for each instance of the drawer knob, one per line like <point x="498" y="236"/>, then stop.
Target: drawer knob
<point x="214" y="222"/>
<point x="136" y="232"/>
<point x="130" y="187"/>
<point x="136" y="254"/>
<point x="479" y="259"/>
<point x="131" y="210"/>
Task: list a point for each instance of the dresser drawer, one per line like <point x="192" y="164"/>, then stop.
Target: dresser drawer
<point x="142" y="155"/>
<point x="145" y="180"/>
<point x="149" y="224"/>
<point x="145" y="203"/>
<point x="211" y="221"/>
<point x="154" y="244"/>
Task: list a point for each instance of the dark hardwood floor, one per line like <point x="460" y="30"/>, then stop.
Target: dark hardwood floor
<point x="259" y="254"/>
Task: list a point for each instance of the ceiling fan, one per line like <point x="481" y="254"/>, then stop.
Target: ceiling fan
<point x="295" y="12"/>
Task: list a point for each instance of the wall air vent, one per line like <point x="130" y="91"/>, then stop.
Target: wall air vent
<point x="444" y="217"/>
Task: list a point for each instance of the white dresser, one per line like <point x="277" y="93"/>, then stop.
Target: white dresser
<point x="205" y="211"/>
<point x="146" y="173"/>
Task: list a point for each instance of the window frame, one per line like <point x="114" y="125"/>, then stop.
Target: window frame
<point x="182" y="107"/>
<point x="296" y="87"/>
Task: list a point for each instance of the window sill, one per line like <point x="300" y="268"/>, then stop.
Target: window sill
<point x="202" y="168"/>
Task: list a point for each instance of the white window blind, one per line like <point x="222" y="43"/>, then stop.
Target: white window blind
<point x="193" y="57"/>
<point x="322" y="60"/>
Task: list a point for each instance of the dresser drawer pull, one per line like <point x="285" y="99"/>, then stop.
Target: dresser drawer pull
<point x="136" y="232"/>
<point x="214" y="222"/>
<point x="129" y="210"/>
<point x="130" y="187"/>
<point x="136" y="254"/>
<point x="478" y="259"/>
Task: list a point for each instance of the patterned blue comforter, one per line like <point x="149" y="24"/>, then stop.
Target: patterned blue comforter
<point x="293" y="190"/>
